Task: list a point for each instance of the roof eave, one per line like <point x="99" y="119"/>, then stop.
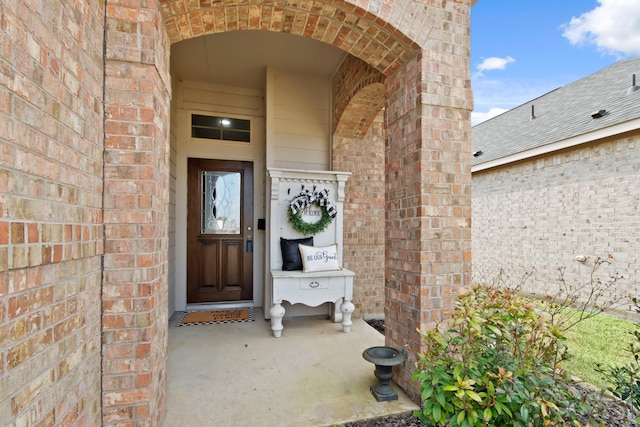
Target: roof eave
<point x="607" y="132"/>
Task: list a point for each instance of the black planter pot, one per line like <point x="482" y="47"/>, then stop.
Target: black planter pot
<point x="384" y="358"/>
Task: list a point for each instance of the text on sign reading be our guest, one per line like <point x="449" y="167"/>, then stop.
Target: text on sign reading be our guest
<point x="321" y="255"/>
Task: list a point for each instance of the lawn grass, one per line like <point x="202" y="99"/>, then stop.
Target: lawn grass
<point x="600" y="339"/>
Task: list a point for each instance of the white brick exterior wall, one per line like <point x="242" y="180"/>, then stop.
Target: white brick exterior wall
<point x="544" y="212"/>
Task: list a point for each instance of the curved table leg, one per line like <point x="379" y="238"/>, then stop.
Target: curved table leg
<point x="277" y="313"/>
<point x="346" y="308"/>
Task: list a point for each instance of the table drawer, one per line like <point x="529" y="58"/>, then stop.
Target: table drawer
<point x="314" y="283"/>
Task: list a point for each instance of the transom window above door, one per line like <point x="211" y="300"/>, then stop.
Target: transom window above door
<point x="220" y="128"/>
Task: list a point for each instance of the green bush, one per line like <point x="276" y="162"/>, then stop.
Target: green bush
<point x="497" y="365"/>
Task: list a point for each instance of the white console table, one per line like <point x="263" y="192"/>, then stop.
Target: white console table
<point x="311" y="289"/>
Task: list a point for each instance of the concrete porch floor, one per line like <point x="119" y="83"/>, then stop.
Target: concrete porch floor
<point x="239" y="375"/>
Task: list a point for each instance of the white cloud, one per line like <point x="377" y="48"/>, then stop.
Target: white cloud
<point x="613" y="26"/>
<point x="478" y="117"/>
<point x="495" y="63"/>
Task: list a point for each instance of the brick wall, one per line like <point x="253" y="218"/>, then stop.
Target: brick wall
<point x="544" y="212"/>
<point x="358" y="147"/>
<point x="136" y="199"/>
<point x="364" y="216"/>
<point x="427" y="175"/>
<point x="428" y="185"/>
<point x="50" y="211"/>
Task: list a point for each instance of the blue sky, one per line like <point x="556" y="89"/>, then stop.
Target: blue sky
<point x="523" y="49"/>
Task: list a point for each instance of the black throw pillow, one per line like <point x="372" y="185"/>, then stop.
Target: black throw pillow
<point x="291" y="259"/>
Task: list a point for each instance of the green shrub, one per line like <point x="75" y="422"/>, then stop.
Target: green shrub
<point x="497" y="365"/>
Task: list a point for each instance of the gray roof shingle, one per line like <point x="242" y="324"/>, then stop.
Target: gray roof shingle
<point x="562" y="113"/>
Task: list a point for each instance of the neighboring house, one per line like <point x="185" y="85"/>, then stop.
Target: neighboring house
<point x="555" y="184"/>
<point x="109" y="110"/>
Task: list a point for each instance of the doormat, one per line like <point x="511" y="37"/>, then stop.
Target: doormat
<point x="234" y="315"/>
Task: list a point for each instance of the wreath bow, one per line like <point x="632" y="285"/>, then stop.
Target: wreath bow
<point x="307" y="198"/>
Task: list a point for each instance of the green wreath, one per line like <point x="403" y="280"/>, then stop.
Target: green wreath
<point x="306" y="228"/>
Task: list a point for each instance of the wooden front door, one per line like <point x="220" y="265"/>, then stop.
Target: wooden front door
<point x="219" y="231"/>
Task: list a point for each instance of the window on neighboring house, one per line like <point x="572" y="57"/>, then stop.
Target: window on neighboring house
<point x="220" y="128"/>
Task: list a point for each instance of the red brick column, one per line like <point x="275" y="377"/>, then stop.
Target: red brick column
<point x="51" y="229"/>
<point x="358" y="147"/>
<point x="364" y="215"/>
<point x="428" y="202"/>
<point x="136" y="197"/>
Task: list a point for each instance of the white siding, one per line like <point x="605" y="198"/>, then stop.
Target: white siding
<point x="289" y="130"/>
<point x="200" y="98"/>
<point x="298" y="111"/>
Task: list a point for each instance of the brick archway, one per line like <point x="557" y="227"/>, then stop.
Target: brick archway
<point x="419" y="48"/>
<point x="358" y="96"/>
<point x="358" y="115"/>
<point x="367" y="32"/>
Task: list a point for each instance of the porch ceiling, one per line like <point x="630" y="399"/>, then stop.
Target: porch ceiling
<point x="239" y="58"/>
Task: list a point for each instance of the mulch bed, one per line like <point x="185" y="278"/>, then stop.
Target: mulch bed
<point x="618" y="414"/>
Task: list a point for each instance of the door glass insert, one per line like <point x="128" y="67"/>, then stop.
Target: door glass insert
<point x="221" y="202"/>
